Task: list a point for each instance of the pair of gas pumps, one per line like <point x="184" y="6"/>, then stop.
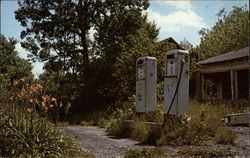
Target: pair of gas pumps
<point x="176" y="83"/>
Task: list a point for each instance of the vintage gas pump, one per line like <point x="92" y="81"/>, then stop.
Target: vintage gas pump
<point x="176" y="82"/>
<point x="146" y="76"/>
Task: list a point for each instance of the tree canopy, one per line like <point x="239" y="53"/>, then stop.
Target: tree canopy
<point x="230" y="32"/>
<point x="12" y="67"/>
<point x="58" y="32"/>
<point x="90" y="46"/>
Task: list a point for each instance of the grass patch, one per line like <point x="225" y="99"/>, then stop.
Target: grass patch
<point x="139" y="131"/>
<point x="225" y="136"/>
<point x="119" y="128"/>
<point x="156" y="152"/>
<point x="208" y="153"/>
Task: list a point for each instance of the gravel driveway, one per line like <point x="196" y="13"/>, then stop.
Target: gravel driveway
<point x="96" y="141"/>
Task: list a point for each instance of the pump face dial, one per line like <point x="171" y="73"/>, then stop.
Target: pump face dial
<point x="171" y="68"/>
<point x="140" y="73"/>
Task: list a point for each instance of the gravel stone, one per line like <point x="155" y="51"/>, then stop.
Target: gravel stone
<point x="96" y="141"/>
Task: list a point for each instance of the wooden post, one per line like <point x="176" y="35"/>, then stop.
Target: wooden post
<point x="202" y="87"/>
<point x="232" y="83"/>
<point x="198" y="84"/>
<point x="236" y="85"/>
<point x="219" y="89"/>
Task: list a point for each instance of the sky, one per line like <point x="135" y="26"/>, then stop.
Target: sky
<point x="179" y="19"/>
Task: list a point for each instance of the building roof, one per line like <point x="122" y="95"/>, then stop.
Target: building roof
<point x="171" y="40"/>
<point x="235" y="54"/>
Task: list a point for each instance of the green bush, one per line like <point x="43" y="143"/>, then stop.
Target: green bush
<point x="118" y="125"/>
<point x="180" y="131"/>
<point x="154" y="134"/>
<point x="225" y="136"/>
<point x="25" y="134"/>
<point x="122" y="129"/>
<point x="102" y="122"/>
<point x="156" y="152"/>
<point x="140" y="131"/>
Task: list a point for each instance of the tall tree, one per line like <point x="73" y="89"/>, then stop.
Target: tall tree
<point x="12" y="67"/>
<point x="58" y="32"/>
<point x="60" y="29"/>
<point x="193" y="54"/>
<point x="124" y="24"/>
<point x="229" y="33"/>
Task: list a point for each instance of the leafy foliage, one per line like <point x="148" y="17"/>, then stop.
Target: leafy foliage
<point x="25" y="134"/>
<point x="117" y="124"/>
<point x="12" y="67"/>
<point x="231" y="32"/>
<point x="25" y="131"/>
<point x="59" y="33"/>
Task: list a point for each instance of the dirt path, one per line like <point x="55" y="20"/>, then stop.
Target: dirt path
<point x="96" y="141"/>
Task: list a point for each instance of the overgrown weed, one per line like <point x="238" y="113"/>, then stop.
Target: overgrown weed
<point x="203" y="152"/>
<point x="196" y="128"/>
<point x="225" y="136"/>
<point x="25" y="129"/>
<point x="156" y="152"/>
<point x="139" y="130"/>
<point x="26" y="134"/>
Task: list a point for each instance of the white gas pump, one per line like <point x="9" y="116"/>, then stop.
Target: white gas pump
<point x="146" y="76"/>
<point x="176" y="82"/>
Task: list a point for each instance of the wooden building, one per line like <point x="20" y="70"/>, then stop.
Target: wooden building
<point x="224" y="76"/>
<point x="171" y="40"/>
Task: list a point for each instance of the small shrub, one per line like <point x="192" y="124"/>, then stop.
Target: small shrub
<point x="85" y="123"/>
<point x="119" y="128"/>
<point x="208" y="153"/>
<point x="140" y="131"/>
<point x="156" y="152"/>
<point x="225" y="136"/>
<point x="154" y="134"/>
<point x="180" y="131"/>
<point x="102" y="122"/>
<point x="117" y="124"/>
<point x="62" y="124"/>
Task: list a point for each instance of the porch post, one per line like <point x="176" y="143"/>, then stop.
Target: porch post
<point x="202" y="87"/>
<point x="232" y="83"/>
<point x="219" y="88"/>
<point x="236" y="85"/>
<point x="198" y="84"/>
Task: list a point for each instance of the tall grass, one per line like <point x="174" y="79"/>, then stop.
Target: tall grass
<point x="26" y="134"/>
<point x="196" y="128"/>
